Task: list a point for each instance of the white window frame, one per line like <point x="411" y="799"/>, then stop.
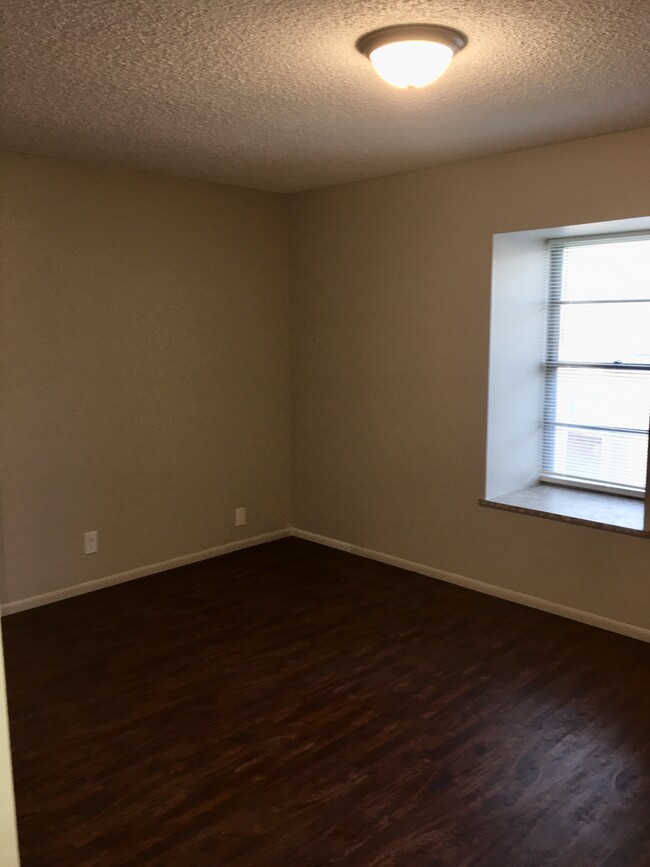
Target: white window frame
<point x="552" y="364"/>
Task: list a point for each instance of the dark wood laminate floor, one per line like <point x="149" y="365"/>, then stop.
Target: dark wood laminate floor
<point x="293" y="705"/>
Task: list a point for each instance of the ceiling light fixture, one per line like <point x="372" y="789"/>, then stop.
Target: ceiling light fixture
<point x="411" y="55"/>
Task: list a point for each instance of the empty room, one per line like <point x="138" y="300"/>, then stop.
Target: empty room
<point x="325" y="387"/>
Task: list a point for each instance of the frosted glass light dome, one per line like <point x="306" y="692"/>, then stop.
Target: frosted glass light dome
<point x="411" y="64"/>
<point x="411" y="55"/>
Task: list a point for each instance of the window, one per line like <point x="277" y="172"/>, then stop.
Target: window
<point x="597" y="382"/>
<point x="569" y="376"/>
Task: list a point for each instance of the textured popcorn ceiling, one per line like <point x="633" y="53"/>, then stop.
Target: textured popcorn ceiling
<point x="272" y="93"/>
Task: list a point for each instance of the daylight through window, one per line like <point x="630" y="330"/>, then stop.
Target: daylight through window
<point x="597" y="392"/>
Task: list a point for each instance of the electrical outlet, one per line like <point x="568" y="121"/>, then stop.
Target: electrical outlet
<point x="240" y="517"/>
<point x="91" y="542"/>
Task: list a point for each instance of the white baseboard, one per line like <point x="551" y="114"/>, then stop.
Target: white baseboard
<point x="587" y="617"/>
<point x="140" y="572"/>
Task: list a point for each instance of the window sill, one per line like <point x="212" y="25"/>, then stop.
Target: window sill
<point x="588" y="508"/>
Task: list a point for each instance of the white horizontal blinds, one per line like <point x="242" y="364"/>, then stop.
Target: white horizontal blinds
<point x="597" y="397"/>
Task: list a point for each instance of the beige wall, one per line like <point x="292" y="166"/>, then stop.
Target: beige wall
<point x="8" y="837"/>
<point x="145" y="368"/>
<point x="390" y="327"/>
<point x="146" y="384"/>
